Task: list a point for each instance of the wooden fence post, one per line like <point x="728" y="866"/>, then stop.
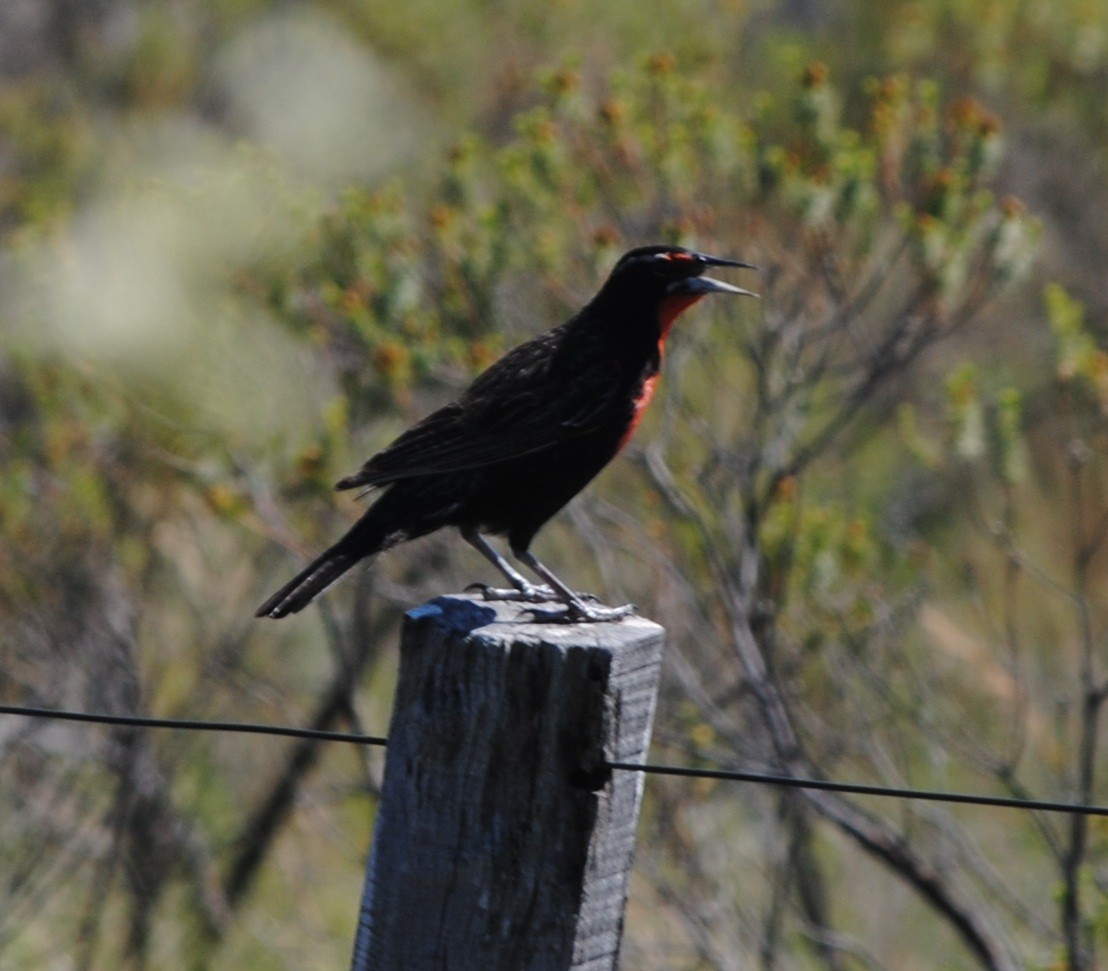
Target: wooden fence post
<point x="502" y="840"/>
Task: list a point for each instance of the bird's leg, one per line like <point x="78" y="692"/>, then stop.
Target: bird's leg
<point x="577" y="610"/>
<point x="522" y="589"/>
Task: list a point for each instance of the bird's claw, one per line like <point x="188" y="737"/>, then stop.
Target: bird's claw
<point x="581" y="613"/>
<point x="529" y="594"/>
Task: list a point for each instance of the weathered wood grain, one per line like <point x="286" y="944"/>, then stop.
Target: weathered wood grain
<point x="502" y="841"/>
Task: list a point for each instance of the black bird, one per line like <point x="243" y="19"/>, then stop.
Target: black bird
<point x="526" y="436"/>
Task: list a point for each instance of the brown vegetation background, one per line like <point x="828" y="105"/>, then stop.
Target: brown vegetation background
<point x="244" y="243"/>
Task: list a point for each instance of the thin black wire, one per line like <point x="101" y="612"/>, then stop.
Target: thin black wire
<point x="859" y="789"/>
<point x="248" y="728"/>
<point x="730" y="775"/>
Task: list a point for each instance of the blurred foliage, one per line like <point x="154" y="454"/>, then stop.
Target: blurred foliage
<point x="224" y="285"/>
<point x="1062" y="48"/>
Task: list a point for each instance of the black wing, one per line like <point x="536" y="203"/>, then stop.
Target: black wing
<point x="540" y="393"/>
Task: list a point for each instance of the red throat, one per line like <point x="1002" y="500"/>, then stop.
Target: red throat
<point x="672" y="308"/>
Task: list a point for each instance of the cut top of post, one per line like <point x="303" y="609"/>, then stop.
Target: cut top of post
<point x="512" y="622"/>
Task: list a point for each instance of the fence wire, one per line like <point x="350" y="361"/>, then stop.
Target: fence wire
<point x="689" y="772"/>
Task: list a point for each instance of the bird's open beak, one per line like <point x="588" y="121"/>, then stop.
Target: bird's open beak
<point x="705" y="284"/>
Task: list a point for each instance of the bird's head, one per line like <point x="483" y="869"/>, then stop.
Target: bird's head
<point x="669" y="279"/>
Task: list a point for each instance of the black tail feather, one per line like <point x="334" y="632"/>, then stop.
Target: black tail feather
<point x="390" y="520"/>
<point x="302" y="589"/>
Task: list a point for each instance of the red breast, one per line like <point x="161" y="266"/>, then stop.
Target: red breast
<point x="670" y="309"/>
